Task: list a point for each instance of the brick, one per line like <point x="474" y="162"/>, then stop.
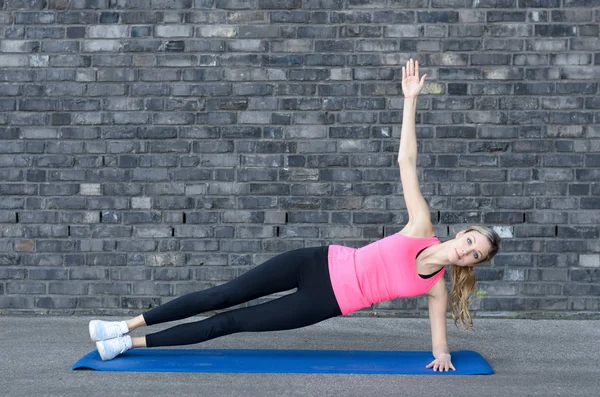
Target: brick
<point x="173" y="31"/>
<point x="25" y="288"/>
<point x="581" y="289"/>
<point x="256" y="232"/>
<point x="282" y="245"/>
<point x="589" y="260"/>
<point x="152" y="232"/>
<point x="298" y="231"/>
<point x="217" y="31"/>
<point x="576" y="15"/>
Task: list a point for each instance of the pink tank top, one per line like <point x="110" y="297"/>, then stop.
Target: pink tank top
<point x="383" y="270"/>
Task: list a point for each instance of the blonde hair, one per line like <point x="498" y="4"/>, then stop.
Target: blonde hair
<point x="463" y="280"/>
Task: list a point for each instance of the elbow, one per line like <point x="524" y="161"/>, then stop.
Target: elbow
<point x="407" y="160"/>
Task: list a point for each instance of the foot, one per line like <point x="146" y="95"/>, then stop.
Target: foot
<point x="111" y="348"/>
<point x="102" y="330"/>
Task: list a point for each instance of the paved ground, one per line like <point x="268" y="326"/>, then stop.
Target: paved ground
<point x="530" y="357"/>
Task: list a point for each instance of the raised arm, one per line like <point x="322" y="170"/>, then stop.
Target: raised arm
<point x="419" y="221"/>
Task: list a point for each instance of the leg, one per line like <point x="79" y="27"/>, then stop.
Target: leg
<point x="305" y="307"/>
<point x="280" y="273"/>
<point x="136" y="322"/>
<point x="302" y="308"/>
<point x="313" y="302"/>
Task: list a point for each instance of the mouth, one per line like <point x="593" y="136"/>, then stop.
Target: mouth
<point x="457" y="255"/>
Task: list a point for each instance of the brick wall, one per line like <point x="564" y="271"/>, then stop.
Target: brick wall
<point x="149" y="148"/>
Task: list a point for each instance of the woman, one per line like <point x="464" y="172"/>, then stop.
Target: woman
<point x="332" y="280"/>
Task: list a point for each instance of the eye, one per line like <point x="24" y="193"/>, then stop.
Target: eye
<point x="476" y="255"/>
<point x="469" y="241"/>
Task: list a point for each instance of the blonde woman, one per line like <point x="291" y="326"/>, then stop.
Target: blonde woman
<point x="332" y="280"/>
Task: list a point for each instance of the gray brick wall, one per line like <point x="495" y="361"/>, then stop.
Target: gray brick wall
<point x="149" y="148"/>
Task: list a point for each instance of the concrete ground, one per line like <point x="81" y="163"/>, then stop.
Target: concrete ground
<point x="530" y="358"/>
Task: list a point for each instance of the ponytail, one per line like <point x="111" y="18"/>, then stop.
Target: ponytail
<point x="463" y="285"/>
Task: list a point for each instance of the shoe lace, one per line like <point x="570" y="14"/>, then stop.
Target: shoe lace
<point x="122" y="345"/>
<point x="113" y="329"/>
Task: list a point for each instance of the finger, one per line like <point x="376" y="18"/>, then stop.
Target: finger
<point x="403" y="73"/>
<point x="417" y="68"/>
<point x="412" y="67"/>
<point x="452" y="366"/>
<point x="423" y="79"/>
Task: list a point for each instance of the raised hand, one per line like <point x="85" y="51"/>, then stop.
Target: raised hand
<point x="411" y="83"/>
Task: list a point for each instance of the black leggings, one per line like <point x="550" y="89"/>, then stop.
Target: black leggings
<point x="304" y="268"/>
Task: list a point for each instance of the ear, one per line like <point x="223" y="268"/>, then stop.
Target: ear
<point x="460" y="233"/>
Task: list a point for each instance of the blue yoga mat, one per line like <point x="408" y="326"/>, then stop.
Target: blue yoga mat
<point x="466" y="362"/>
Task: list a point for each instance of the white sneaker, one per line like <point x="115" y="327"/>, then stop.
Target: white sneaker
<point x="102" y="330"/>
<point x="111" y="348"/>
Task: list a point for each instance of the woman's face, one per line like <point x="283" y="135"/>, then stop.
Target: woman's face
<point x="468" y="248"/>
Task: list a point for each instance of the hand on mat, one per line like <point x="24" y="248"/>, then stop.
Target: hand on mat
<point x="443" y="363"/>
<point x="411" y="83"/>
